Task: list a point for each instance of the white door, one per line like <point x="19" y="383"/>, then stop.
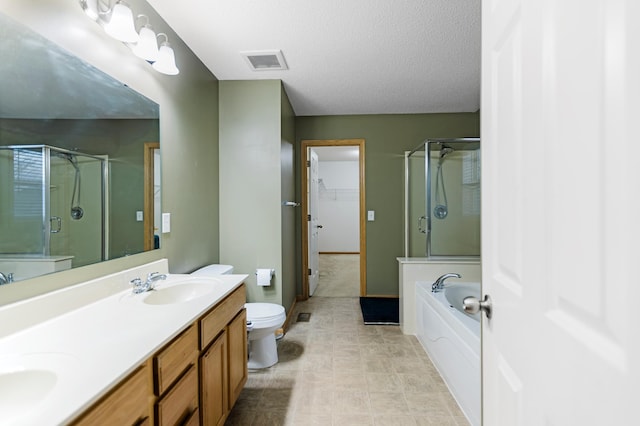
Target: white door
<point x="314" y="255"/>
<point x="561" y="211"/>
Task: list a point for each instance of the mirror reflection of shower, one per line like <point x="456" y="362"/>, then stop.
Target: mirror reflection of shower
<point x="42" y="213"/>
<point x="76" y="211"/>
<point x="441" y="210"/>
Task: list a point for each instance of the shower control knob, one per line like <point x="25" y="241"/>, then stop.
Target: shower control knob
<point x="471" y="305"/>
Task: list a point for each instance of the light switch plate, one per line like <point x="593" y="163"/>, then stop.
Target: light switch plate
<point x="371" y="215"/>
<point x="139" y="216"/>
<point x="166" y="223"/>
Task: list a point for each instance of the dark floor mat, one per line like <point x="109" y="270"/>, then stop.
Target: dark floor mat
<point x="380" y="310"/>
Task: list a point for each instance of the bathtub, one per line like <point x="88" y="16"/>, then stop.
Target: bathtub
<point x="451" y="338"/>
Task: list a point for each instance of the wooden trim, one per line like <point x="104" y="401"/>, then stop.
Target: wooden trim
<point x="287" y="321"/>
<point x="339" y="252"/>
<point x="304" y="208"/>
<point x="148" y="212"/>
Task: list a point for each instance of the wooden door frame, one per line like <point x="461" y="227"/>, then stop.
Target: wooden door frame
<point x="147" y="218"/>
<point x="305" y="145"/>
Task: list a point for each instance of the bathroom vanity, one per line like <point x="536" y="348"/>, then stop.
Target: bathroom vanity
<point x="97" y="354"/>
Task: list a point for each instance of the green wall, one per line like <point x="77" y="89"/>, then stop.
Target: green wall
<point x="290" y="272"/>
<point x="256" y="176"/>
<point x="386" y="137"/>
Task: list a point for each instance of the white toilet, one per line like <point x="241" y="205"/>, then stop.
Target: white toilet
<point x="263" y="319"/>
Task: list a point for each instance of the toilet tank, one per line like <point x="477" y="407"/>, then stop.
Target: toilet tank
<point x="213" y="270"/>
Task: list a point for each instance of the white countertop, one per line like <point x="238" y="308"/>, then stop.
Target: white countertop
<point x="90" y="349"/>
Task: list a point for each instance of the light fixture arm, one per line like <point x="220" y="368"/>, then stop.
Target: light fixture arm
<point x="166" y="38"/>
<point x="146" y="18"/>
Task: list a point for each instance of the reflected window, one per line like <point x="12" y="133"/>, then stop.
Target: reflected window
<point x="27" y="183"/>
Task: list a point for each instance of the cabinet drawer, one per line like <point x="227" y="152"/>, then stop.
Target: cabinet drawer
<point x="179" y="404"/>
<point x="193" y="419"/>
<point x="213" y="322"/>
<point x="174" y="359"/>
<point x="127" y="404"/>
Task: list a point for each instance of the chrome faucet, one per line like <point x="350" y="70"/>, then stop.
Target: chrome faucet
<point x="6" y="279"/>
<point x="149" y="284"/>
<point x="439" y="283"/>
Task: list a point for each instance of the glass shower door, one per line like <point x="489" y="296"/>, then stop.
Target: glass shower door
<point x="416" y="189"/>
<point x="76" y="208"/>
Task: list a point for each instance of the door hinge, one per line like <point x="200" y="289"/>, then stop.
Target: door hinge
<point x="308" y="163"/>
<point x="309" y="218"/>
<point x="309" y="271"/>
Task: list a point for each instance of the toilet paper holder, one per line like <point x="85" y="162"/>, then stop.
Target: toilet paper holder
<point x="264" y="276"/>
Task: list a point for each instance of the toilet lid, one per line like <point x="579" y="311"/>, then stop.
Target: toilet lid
<point x="263" y="311"/>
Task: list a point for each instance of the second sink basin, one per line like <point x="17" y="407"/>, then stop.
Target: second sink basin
<point x="26" y="380"/>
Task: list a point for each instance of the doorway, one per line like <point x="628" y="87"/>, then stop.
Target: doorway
<point x="313" y="186"/>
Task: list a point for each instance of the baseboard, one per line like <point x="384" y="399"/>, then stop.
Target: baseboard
<point x="287" y="321"/>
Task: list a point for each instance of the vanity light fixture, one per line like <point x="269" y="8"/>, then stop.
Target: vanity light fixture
<point x="118" y="22"/>
<point x="121" y="25"/>
<point x="147" y="46"/>
<point x="166" y="63"/>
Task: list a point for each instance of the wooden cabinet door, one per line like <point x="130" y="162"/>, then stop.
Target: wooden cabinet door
<point x="180" y="402"/>
<point x="237" y="352"/>
<point x="127" y="404"/>
<point x="214" y="382"/>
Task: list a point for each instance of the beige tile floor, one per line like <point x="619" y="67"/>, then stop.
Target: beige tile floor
<point x="339" y="275"/>
<point x="334" y="370"/>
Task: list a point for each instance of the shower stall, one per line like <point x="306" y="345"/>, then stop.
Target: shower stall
<point x="54" y="204"/>
<point x="442" y="199"/>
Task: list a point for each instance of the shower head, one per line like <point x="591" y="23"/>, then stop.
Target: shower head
<point x="445" y="150"/>
<point x="71" y="158"/>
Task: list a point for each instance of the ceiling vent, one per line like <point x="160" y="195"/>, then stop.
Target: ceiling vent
<point x="265" y="60"/>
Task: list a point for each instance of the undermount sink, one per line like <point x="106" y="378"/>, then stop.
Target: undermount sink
<point x="177" y="294"/>
<point x="26" y="380"/>
<point x="20" y="390"/>
<point x="175" y="290"/>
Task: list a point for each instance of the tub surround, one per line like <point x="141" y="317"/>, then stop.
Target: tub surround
<point x="91" y="336"/>
<point x="452" y="341"/>
<point x="25" y="266"/>
<point x="415" y="269"/>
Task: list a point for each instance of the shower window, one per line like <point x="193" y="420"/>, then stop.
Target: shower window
<point x="27" y="183"/>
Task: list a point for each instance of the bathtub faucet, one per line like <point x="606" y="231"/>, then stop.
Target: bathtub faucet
<point x="6" y="279"/>
<point x="439" y="283"/>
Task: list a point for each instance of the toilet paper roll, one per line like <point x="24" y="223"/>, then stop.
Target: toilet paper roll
<point x="264" y="277"/>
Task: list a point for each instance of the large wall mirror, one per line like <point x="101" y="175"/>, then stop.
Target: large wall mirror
<point x="79" y="161"/>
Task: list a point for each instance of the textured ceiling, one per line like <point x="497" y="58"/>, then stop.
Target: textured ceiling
<point x="344" y="56"/>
